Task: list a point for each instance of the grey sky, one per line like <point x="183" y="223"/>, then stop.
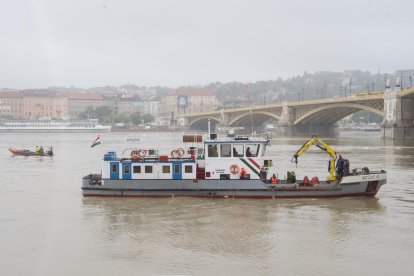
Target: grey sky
<point x="89" y="43"/>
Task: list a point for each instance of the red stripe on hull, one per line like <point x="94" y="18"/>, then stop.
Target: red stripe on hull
<point x="231" y="196"/>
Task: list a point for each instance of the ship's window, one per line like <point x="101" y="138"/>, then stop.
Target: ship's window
<point x="136" y="169"/>
<point x="225" y="150"/>
<point x="252" y="150"/>
<point x="238" y="150"/>
<point x="126" y="168"/>
<point x="176" y="168"/>
<point x="114" y="168"/>
<point x="212" y="151"/>
<point x="188" y="169"/>
<point x="148" y="169"/>
<point x="166" y="169"/>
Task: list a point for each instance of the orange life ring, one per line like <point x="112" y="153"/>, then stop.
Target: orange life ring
<point x="234" y="169"/>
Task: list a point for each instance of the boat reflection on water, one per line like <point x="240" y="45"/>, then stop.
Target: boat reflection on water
<point x="239" y="228"/>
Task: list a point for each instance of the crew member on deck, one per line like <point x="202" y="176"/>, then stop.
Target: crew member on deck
<point x="340" y="165"/>
<point x="248" y="152"/>
<point x="273" y="180"/>
<point x="243" y="173"/>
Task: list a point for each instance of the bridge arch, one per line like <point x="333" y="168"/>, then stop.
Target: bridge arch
<point x="202" y="123"/>
<point x="258" y="117"/>
<point x="331" y="113"/>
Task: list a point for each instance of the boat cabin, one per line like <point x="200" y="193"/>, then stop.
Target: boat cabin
<point x="225" y="159"/>
<point x="147" y="168"/>
<point x="231" y="158"/>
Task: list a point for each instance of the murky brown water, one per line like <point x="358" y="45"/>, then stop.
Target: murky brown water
<point x="48" y="228"/>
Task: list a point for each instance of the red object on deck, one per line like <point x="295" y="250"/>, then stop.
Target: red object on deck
<point x="163" y="157"/>
<point x="305" y="181"/>
<point x="192" y="153"/>
<point x="315" y="180"/>
<point x="201" y="173"/>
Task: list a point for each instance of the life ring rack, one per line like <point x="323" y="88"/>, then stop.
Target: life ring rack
<point x="177" y="153"/>
<point x="137" y="154"/>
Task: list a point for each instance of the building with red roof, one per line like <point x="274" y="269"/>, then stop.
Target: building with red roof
<point x="79" y="102"/>
<point x="44" y="104"/>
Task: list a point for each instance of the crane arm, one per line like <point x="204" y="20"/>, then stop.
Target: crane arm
<point x="323" y="146"/>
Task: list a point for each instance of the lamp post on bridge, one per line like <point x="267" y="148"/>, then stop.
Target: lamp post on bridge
<point x="410" y="78"/>
<point x="345" y="83"/>
<point x="386" y="82"/>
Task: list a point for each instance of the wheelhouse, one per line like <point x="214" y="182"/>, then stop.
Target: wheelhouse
<point x="227" y="159"/>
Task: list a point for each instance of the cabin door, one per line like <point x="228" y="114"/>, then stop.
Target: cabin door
<point x="177" y="174"/>
<point x="126" y="171"/>
<point x="114" y="167"/>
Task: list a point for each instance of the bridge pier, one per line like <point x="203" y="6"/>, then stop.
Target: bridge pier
<point x="398" y="121"/>
<point x="286" y="126"/>
<point x="397" y="133"/>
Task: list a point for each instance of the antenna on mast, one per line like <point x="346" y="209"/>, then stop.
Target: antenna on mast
<point x="209" y="128"/>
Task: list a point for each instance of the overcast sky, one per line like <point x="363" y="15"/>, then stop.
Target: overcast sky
<point x="89" y="43"/>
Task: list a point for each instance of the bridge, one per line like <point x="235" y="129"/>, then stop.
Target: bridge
<point x="319" y="116"/>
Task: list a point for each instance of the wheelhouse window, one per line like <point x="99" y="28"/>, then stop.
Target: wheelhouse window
<point x="212" y="150"/>
<point x="188" y="169"/>
<point x="238" y="150"/>
<point x="225" y="150"/>
<point x="166" y="169"/>
<point x="148" y="169"/>
<point x="252" y="150"/>
<point x="136" y="169"/>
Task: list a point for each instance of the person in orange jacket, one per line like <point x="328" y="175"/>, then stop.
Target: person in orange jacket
<point x="273" y="179"/>
<point x="243" y="173"/>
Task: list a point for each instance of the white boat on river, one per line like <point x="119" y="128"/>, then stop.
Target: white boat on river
<point x="230" y="167"/>
<point x="59" y="126"/>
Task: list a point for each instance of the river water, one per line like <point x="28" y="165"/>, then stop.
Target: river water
<point x="48" y="228"/>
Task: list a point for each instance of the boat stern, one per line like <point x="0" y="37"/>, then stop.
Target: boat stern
<point x="364" y="184"/>
<point x="91" y="180"/>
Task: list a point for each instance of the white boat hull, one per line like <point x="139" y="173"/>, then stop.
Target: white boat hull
<point x="358" y="185"/>
<point x="54" y="130"/>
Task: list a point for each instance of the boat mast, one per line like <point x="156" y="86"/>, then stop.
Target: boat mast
<point x="209" y="128"/>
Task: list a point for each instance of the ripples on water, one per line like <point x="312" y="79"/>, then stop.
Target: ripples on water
<point x="48" y="228"/>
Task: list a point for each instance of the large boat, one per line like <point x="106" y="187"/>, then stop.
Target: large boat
<point x="231" y="167"/>
<point x="62" y="126"/>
